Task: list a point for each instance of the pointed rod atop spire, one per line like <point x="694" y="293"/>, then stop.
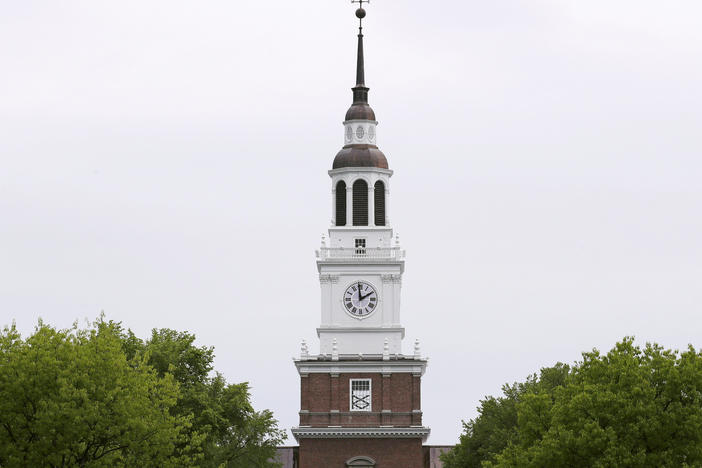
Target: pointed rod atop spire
<point x="360" y="92"/>
<point x="360" y="68"/>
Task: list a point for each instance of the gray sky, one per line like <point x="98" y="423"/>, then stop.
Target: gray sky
<point x="165" y="161"/>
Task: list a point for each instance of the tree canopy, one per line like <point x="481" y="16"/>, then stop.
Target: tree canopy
<point x="100" y="397"/>
<point x="631" y="407"/>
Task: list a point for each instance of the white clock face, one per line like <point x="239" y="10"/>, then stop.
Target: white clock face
<point x="349" y="133"/>
<point x="360" y="299"/>
<point x="371" y="133"/>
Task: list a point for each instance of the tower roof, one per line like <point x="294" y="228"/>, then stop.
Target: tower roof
<point x="360" y="156"/>
<point x="365" y="154"/>
<point x="360" y="110"/>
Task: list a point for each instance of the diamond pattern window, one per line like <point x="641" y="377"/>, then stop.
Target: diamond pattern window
<point x="360" y="395"/>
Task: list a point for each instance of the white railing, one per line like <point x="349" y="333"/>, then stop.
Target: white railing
<point x="360" y="253"/>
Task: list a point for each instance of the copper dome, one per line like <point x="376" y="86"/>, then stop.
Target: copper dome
<point x="360" y="111"/>
<point x="360" y="156"/>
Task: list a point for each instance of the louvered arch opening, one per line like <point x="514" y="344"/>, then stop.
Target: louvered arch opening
<point x="379" y="203"/>
<point x="360" y="203"/>
<point x="341" y="203"/>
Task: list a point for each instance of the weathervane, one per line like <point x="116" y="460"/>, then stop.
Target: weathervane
<point x="360" y="13"/>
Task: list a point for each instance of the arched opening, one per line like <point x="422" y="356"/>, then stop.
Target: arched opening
<point x="379" y="203"/>
<point x="341" y="203"/>
<point x="360" y="203"/>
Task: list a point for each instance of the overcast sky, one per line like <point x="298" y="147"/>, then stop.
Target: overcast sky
<point x="165" y="162"/>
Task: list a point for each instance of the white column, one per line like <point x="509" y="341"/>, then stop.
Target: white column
<point x="371" y="206"/>
<point x="387" y="205"/>
<point x="388" y="303"/>
<point x="396" y="293"/>
<point x="349" y="205"/>
<point x="326" y="301"/>
<point x="333" y="219"/>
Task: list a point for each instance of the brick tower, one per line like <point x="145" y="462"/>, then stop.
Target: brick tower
<point x="360" y="396"/>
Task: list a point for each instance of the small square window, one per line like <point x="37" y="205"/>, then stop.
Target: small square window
<point x="360" y="394"/>
<point x="360" y="245"/>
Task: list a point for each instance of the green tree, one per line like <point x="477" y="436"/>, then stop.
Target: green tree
<point x="496" y="426"/>
<point x="235" y="435"/>
<point x="72" y="398"/>
<point x="631" y="407"/>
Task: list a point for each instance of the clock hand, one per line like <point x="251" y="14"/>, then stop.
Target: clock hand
<point x="360" y="298"/>
<point x="359" y="292"/>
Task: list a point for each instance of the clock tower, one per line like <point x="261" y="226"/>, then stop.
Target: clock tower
<point x="360" y="395"/>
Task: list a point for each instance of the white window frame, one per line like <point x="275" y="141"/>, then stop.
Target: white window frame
<point x="370" y="396"/>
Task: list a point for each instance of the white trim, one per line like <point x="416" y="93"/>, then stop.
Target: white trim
<point x="360" y="132"/>
<point x="339" y="329"/>
<point x="369" y="408"/>
<point x="361" y="228"/>
<point x="360" y="120"/>
<point x="414" y="367"/>
<point x="360" y="432"/>
<point x="345" y="170"/>
<point x="360" y="462"/>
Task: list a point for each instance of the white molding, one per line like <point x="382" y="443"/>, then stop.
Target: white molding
<point x="345" y="329"/>
<point x="326" y="279"/>
<point x="395" y="279"/>
<point x="413" y="432"/>
<point x="361" y="132"/>
<point x="360" y="462"/>
<point x="360" y="261"/>
<point x="360" y="120"/>
<point x="360" y="228"/>
<point x="346" y="170"/>
<point x="416" y="368"/>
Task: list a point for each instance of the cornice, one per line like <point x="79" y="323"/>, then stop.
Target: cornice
<point x="361" y="432"/>
<point x="404" y="366"/>
<point x="345" y="170"/>
<point x="395" y="279"/>
<point x="339" y="329"/>
<point x="326" y="279"/>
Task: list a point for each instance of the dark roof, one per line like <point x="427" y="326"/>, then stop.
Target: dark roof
<point x="360" y="111"/>
<point x="360" y="156"/>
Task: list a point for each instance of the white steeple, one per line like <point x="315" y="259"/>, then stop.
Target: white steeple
<point x="360" y="265"/>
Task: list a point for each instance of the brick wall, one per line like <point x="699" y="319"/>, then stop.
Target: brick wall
<point x="388" y="453"/>
<point x="396" y="401"/>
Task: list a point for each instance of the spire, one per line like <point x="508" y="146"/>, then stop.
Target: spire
<point x="360" y="92"/>
<point x="360" y="68"/>
<point x="360" y="138"/>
